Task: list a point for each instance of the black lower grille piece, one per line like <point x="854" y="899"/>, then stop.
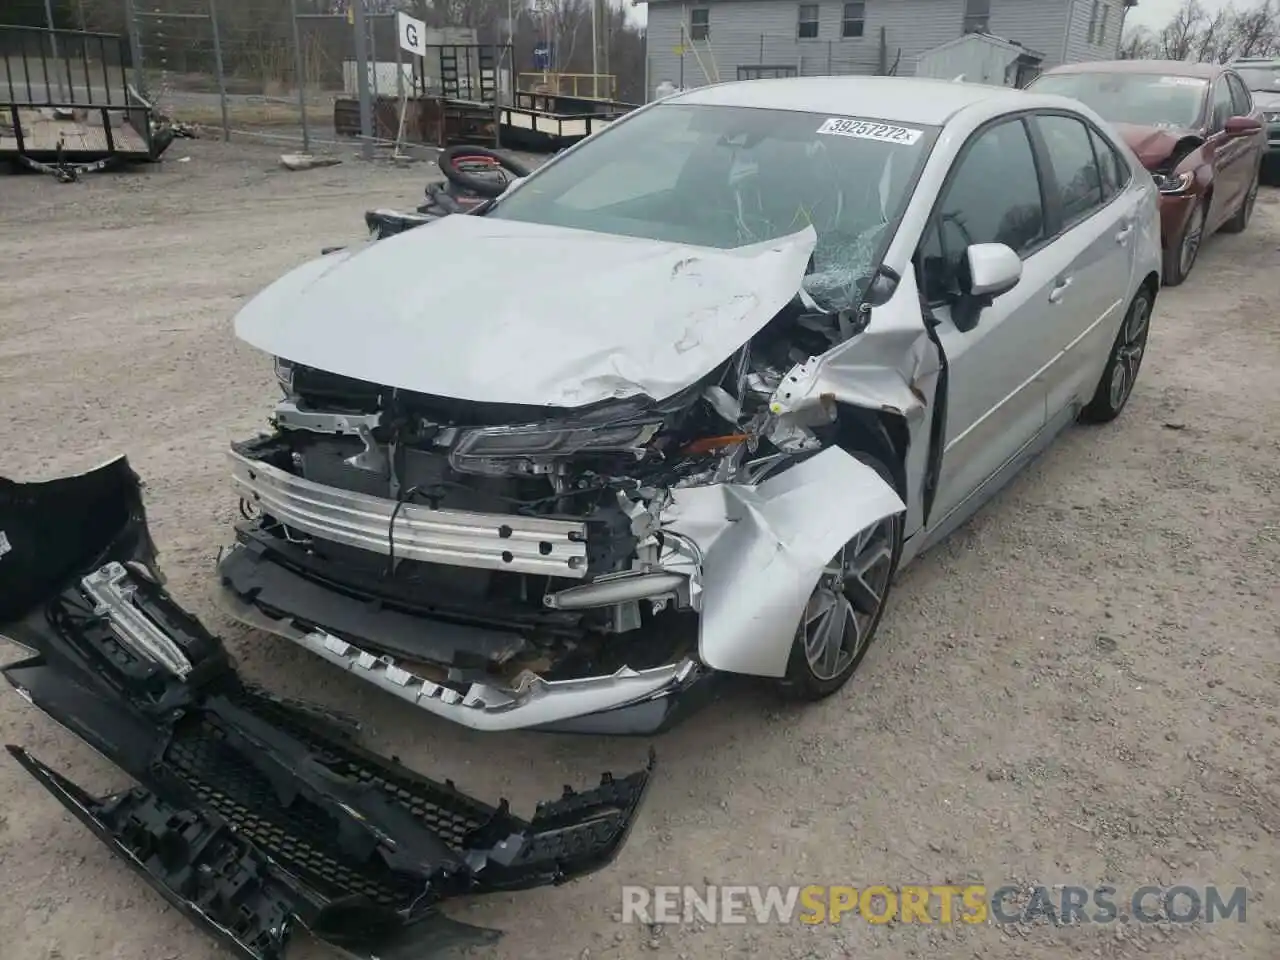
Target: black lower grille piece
<point x="252" y="814"/>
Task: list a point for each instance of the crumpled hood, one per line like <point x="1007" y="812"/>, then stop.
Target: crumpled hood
<point x="507" y="312"/>
<point x="1153" y="145"/>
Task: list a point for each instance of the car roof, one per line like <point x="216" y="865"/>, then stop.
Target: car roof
<point x="900" y="99"/>
<point x="1171" y="68"/>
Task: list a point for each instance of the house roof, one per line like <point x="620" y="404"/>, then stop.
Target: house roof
<point x="1168" y="68"/>
<point x="901" y="99"/>
<point x="989" y="38"/>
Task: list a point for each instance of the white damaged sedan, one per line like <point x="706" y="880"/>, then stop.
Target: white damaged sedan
<point x="681" y="402"/>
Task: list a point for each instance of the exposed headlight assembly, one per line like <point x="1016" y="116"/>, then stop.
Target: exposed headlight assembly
<point x="490" y="449"/>
<point x="1172" y="182"/>
<point x="284" y="373"/>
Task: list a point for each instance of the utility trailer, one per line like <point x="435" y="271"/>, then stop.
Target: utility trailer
<point x="547" y="122"/>
<point x="451" y="97"/>
<point x="66" y="105"/>
<point x="462" y="94"/>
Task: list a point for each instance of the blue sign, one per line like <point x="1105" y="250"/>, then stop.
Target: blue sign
<point x="542" y="56"/>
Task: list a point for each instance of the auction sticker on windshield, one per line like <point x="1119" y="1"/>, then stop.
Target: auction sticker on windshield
<point x="869" y="130"/>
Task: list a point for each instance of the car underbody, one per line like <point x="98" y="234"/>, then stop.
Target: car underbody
<point x="252" y="814"/>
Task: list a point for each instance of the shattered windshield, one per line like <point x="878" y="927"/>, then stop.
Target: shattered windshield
<point x="1143" y="99"/>
<point x="1261" y="79"/>
<point x="730" y="176"/>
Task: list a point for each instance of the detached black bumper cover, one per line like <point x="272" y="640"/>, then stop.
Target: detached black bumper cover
<point x="253" y="815"/>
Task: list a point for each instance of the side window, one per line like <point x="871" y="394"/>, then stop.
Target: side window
<point x="1113" y="170"/>
<point x="1075" y="168"/>
<point x="993" y="197"/>
<point x="1241" y="101"/>
<point x="1222" y="108"/>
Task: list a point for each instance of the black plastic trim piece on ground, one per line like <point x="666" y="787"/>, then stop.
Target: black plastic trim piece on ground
<point x="253" y="815"/>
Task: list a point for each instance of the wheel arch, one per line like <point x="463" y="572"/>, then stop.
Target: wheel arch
<point x="881" y="433"/>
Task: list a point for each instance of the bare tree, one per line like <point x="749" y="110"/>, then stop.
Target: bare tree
<point x="1139" y="43"/>
<point x="1210" y="40"/>
<point x="1179" y="37"/>
<point x="1192" y="34"/>
<point x="1256" y="32"/>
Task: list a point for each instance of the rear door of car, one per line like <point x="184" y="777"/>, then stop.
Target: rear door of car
<point x="1096" y="232"/>
<point x="996" y="392"/>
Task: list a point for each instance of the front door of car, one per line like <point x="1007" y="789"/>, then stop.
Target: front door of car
<point x="1230" y="156"/>
<point x="996" y="393"/>
<point x="1097" y="232"/>
<point x="1253" y="146"/>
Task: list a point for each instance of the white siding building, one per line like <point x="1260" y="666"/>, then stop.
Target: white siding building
<point x="695" y="42"/>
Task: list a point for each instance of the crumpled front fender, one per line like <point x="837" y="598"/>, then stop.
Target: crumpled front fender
<point x="764" y="548"/>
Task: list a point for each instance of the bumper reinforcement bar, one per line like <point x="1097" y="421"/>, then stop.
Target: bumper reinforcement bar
<point x="460" y="538"/>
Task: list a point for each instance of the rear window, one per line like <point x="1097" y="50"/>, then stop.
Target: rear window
<point x="1145" y="99"/>
<point x="1261" y="79"/>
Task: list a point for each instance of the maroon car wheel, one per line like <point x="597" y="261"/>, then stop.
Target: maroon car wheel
<point x="1181" y="257"/>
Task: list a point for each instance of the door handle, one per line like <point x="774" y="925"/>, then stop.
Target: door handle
<point x="1059" y="289"/>
<point x="1123" y="236"/>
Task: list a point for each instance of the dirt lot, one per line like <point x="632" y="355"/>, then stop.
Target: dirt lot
<point x="1081" y="686"/>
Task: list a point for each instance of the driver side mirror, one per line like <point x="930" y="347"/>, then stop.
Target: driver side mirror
<point x="987" y="271"/>
<point x="1241" y="126"/>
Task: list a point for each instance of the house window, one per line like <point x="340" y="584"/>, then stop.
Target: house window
<point x="700" y="24"/>
<point x="1102" y="24"/>
<point x="762" y="72"/>
<point x="807" y="24"/>
<point x="1093" y="21"/>
<point x="977" y="16"/>
<point x="855" y="18"/>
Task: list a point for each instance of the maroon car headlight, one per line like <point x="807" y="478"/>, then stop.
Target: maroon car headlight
<point x="1171" y="183"/>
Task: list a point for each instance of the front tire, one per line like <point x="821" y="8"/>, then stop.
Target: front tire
<point x="1123" y="364"/>
<point x="842" y="615"/>
<point x="1179" y="259"/>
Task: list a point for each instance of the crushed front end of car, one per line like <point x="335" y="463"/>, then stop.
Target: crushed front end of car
<point x="506" y="529"/>
<point x="253" y="815"/>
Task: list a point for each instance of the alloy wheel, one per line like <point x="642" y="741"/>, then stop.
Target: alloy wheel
<point x="842" y="609"/>
<point x="1133" y="343"/>
<point x="1191" y="239"/>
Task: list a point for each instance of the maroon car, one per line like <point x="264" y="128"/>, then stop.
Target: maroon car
<point x="1194" y="126"/>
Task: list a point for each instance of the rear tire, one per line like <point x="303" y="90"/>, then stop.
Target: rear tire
<point x="1240" y="221"/>
<point x="1121" y="371"/>
<point x="844" y="611"/>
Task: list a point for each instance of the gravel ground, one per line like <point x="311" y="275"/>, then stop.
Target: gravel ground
<point x="1081" y="685"/>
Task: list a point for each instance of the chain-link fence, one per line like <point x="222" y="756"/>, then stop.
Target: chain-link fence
<point x="248" y="66"/>
<point x="277" y="69"/>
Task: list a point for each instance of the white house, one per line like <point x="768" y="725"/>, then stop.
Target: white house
<point x="695" y="42"/>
